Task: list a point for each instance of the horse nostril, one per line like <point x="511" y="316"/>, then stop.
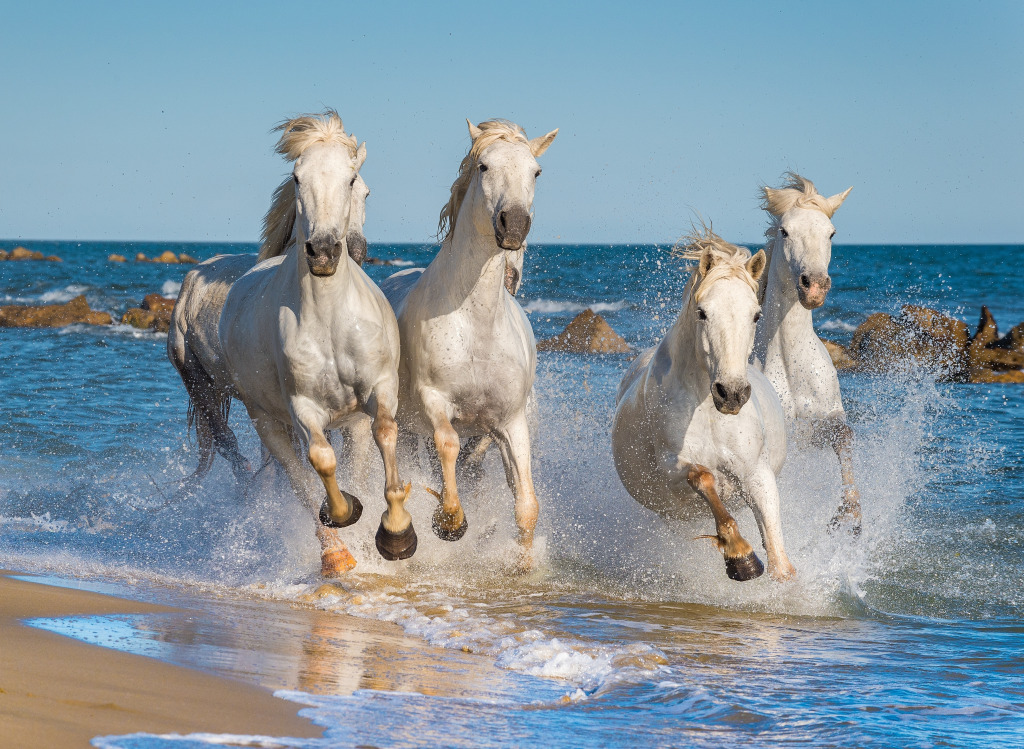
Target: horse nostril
<point x="721" y="391"/>
<point x="805" y="281"/>
<point x="501" y="220"/>
<point x="309" y="249"/>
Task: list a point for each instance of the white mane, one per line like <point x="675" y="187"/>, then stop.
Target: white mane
<point x="716" y="260"/>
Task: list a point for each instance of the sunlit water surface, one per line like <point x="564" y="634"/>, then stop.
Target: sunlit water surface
<point x="629" y="632"/>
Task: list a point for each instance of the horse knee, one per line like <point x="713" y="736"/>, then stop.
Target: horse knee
<point x="447" y="441"/>
<point x="386" y="432"/>
<point x="701" y="479"/>
<point x="321" y="457"/>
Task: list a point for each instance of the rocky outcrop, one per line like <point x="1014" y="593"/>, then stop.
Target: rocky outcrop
<point x="165" y="257"/>
<point x="52" y="315"/>
<point x="588" y="333"/>
<point x="117" y="259"/>
<point x="938" y="343"/>
<point x="153" y="314"/>
<point x="20" y="253"/>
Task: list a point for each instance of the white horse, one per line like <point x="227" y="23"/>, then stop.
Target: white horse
<point x="468" y="353"/>
<point x="695" y="423"/>
<point x="193" y="345"/>
<point x="786" y="347"/>
<point x="311" y="343"/>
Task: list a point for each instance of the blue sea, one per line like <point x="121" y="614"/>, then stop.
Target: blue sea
<point x="629" y="633"/>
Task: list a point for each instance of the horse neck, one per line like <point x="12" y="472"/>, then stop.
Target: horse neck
<point x="471" y="265"/>
<point x="783" y="319"/>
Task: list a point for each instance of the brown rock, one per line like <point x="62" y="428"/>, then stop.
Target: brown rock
<point x="157" y="303"/>
<point x="139" y="318"/>
<point x="183" y="258"/>
<point x="841" y="358"/>
<point x="934" y="341"/>
<point x="877" y="343"/>
<point x="588" y="333"/>
<point x="166" y="257"/>
<point x="20" y="253"/>
<point x="53" y="259"/>
<point x="4" y="255"/>
<point x="1014" y="340"/>
<point x="987" y="375"/>
<point x="141" y="258"/>
<point x="52" y="315"/>
<point x="117" y="258"/>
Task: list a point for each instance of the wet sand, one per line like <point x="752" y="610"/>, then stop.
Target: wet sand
<point x="59" y="692"/>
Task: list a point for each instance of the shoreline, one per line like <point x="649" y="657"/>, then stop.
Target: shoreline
<point x="60" y="691"/>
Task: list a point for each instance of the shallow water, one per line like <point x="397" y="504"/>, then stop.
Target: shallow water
<point x="628" y="633"/>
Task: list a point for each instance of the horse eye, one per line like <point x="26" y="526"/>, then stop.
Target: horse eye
<point x="352" y="183"/>
<point x="830" y="236"/>
<point x="483" y="167"/>
<point x="757" y="317"/>
<point x="537" y="174"/>
<point x="701" y="314"/>
<point x="783" y="232"/>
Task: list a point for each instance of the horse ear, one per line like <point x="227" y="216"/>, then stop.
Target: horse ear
<point x="756" y="265"/>
<point x="474" y="131"/>
<point x="837" y="200"/>
<point x="540" y="145"/>
<point x="360" y="155"/>
<point x="707" y="262"/>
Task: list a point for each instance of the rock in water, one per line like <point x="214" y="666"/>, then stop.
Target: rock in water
<point x="52" y="315"/>
<point x="183" y="258"/>
<point x="117" y="259"/>
<point x="588" y="333"/>
<point x="153" y="314"/>
<point x="166" y="257"/>
<point x="841" y="358"/>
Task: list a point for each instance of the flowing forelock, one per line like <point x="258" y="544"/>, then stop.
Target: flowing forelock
<point x="297" y="135"/>
<point x="730" y="260"/>
<point x="493" y="131"/>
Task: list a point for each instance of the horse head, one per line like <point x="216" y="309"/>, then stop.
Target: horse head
<point x="802" y="231"/>
<point x="496" y="182"/>
<point x="723" y="309"/>
<point x="355" y="239"/>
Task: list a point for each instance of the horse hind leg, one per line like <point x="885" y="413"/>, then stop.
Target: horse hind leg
<point x="838" y="434"/>
<point x="469" y="466"/>
<point x="741" y="563"/>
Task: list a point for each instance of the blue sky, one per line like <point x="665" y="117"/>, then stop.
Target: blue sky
<point x="152" y="121"/>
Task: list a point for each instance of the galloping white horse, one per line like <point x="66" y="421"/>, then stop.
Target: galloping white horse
<point x="468" y="353"/>
<point x="694" y="422"/>
<point x="786" y="347"/>
<point x="193" y="345"/>
<point x="311" y="343"/>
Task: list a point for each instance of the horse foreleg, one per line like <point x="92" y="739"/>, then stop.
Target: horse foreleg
<point x="449" y="521"/>
<point x="839" y="435"/>
<point x="335" y="558"/>
<point x="514" y="444"/>
<point x="396" y="538"/>
<point x="741" y="563"/>
<point x="763" y="494"/>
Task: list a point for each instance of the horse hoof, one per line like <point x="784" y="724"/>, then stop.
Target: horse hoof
<point x="336" y="561"/>
<point x="744" y="568"/>
<point x="353" y="518"/>
<point x="443" y="533"/>
<point x="395" y="546"/>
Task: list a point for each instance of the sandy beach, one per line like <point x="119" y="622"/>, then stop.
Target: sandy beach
<point x="58" y="692"/>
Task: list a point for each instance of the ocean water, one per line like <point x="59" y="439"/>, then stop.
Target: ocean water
<point x="629" y="632"/>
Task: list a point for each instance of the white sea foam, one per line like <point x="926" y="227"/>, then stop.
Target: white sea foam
<point x="838" y="325"/>
<point x="59" y="296"/>
<point x="556" y="307"/>
<point x="171" y="288"/>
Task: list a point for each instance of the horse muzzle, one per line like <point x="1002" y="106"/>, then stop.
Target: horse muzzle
<point x="729" y="399"/>
<point x="511" y="227"/>
<point x="322" y="256"/>
<point x="812" y="289"/>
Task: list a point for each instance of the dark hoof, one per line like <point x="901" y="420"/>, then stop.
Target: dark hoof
<point x="353" y="518"/>
<point x="437" y="523"/>
<point x="744" y="568"/>
<point x="395" y="546"/>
